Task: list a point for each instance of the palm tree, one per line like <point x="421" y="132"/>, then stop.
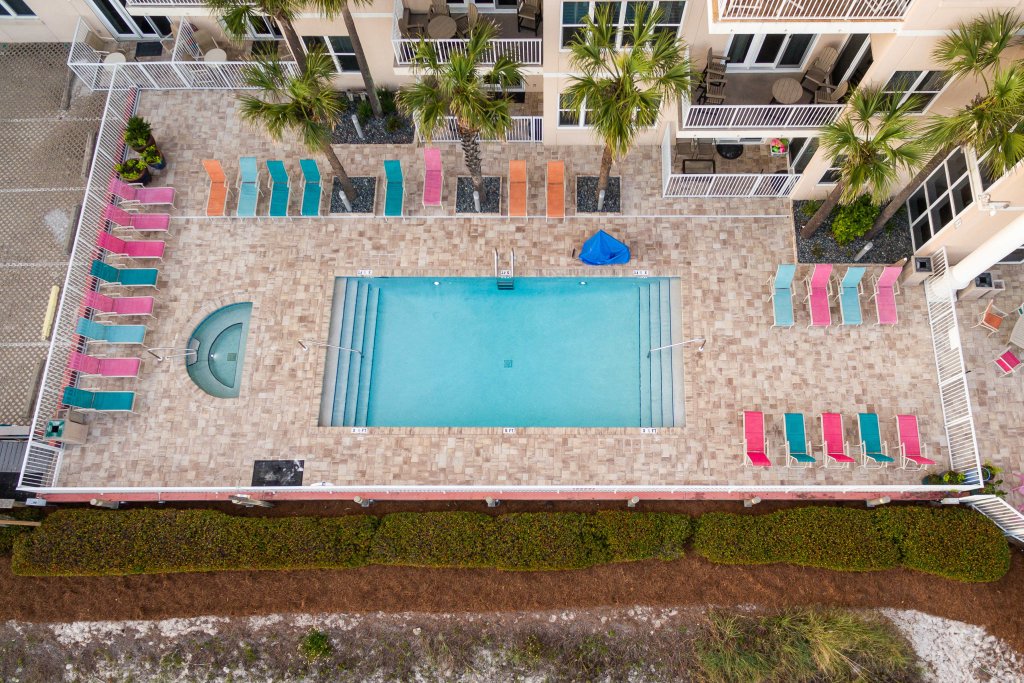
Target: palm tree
<point x="622" y="90"/>
<point x="463" y="89"/>
<point x="304" y="104"/>
<point x="989" y="123"/>
<point x="874" y="140"/>
<point x="239" y="15"/>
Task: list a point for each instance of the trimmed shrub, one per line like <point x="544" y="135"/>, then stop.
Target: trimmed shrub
<point x="9" y="533"/>
<point x="852" y="220"/>
<point x="85" y="542"/>
<point x="433" y="539"/>
<point x="542" y="540"/>
<point x="642" y="535"/>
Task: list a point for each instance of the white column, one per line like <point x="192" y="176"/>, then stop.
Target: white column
<point x="988" y="253"/>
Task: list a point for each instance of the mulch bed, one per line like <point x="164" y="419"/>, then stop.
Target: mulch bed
<point x="366" y="191"/>
<point x="891" y="245"/>
<point x="586" y="195"/>
<point x="490" y="197"/>
<point x="375" y="131"/>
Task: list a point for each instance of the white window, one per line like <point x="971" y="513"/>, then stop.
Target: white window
<point x="924" y="85"/>
<point x="338" y="47"/>
<point x="940" y="199"/>
<point x="15" y="8"/>
<point x="567" y="116"/>
<point x="800" y="152"/>
<point x="769" y="50"/>
<point x="624" y="15"/>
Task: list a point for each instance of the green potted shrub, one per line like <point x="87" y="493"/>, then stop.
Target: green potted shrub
<point x="138" y="134"/>
<point x="133" y="171"/>
<point x="990" y="478"/>
<point x="152" y="157"/>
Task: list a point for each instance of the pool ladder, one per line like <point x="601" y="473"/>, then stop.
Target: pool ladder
<point x="506" y="279"/>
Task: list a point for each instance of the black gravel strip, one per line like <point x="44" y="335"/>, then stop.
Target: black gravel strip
<point x="375" y="130"/>
<point x="586" y="195"/>
<point x="891" y="245"/>
<point x="490" y="198"/>
<point x="366" y="191"/>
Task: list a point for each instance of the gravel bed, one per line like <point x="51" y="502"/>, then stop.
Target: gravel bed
<point x="490" y="198"/>
<point x="366" y="191"/>
<point x="891" y="245"/>
<point x="375" y="130"/>
<point x="586" y="195"/>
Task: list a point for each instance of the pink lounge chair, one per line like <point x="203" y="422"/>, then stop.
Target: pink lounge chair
<point x="102" y="304"/>
<point x="754" y="443"/>
<point x="143" y="196"/>
<point x="818" y="295"/>
<point x="912" y="455"/>
<point x="133" y="249"/>
<point x="885" y="291"/>
<point x="1008" y="362"/>
<point x="104" y="367"/>
<point x="833" y="441"/>
<point x="150" y="222"/>
<point x="433" y="176"/>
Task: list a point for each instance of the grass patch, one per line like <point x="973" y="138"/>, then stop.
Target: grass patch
<point x="316" y="645"/>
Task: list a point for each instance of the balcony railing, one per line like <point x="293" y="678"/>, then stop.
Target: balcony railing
<point x="730" y="185"/>
<point x="527" y="51"/>
<point x="811" y="10"/>
<point x="164" y="3"/>
<point x="524" y="129"/>
<point x="773" y="117"/>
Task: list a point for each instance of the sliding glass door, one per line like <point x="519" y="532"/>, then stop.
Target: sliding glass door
<point x="114" y="15"/>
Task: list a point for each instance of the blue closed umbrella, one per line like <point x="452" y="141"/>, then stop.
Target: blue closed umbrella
<point x="603" y="250"/>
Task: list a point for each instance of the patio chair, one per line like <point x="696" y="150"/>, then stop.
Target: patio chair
<point x="104" y="367"/>
<point x="101" y="45"/>
<point x="465" y="23"/>
<point x="873" y="450"/>
<point x="818" y="295"/>
<point x="817" y="74"/>
<point x="99" y="401"/>
<point x="136" y="193"/>
<point x="755" y="446"/>
<point x="394" y="189"/>
<point x="102" y="305"/>
<point x="439" y="7"/>
<point x="828" y="94"/>
<point x="884" y="293"/>
<point x="782" y="295"/>
<point x="312" y="189"/>
<point x="991" y="319"/>
<point x="248" y="186"/>
<point x="797" y="452"/>
<point x="123" y="277"/>
<point x="849" y="292"/>
<point x="136" y="249"/>
<point x="433" y="175"/>
<point x="280" y="188"/>
<point x="217" y="199"/>
<point x="1008" y="362"/>
<point x="517" y="188"/>
<point x="833" y="444"/>
<point x="712" y="92"/>
<point x="556" y="189"/>
<point x="912" y="453"/>
<point x="528" y="15"/>
<point x="143" y="222"/>
<point x="93" y="331"/>
<point x="714" y="66"/>
<point x="410" y="29"/>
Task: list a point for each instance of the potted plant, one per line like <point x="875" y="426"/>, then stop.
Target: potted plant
<point x="133" y="171"/>
<point x="138" y="134"/>
<point x="990" y="478"/>
<point x="152" y="157"/>
<point x="949" y="478"/>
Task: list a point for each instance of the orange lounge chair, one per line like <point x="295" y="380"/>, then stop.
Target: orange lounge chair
<point x="218" y="197"/>
<point x="556" y="189"/>
<point x="517" y="188"/>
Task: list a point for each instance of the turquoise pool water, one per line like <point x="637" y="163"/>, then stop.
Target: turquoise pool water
<point x="219" y="341"/>
<point x="553" y="352"/>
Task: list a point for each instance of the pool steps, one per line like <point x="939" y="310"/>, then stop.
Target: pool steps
<point x="346" y="392"/>
<point x="661" y="371"/>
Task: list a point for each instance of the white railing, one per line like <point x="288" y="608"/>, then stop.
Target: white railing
<point x="772" y="116"/>
<point x="954" y="393"/>
<point x="1004" y="515"/>
<point x="811" y="10"/>
<point x="526" y="51"/>
<point x="730" y="184"/>
<point x="524" y="129"/>
<point x="165" y="3"/>
<point x="667" y="141"/>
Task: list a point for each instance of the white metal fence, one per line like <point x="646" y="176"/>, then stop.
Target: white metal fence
<point x="524" y="129"/>
<point x="526" y="51"/>
<point x="1004" y="515"/>
<point x="810" y="10"/>
<point x="952" y="375"/>
<point x="772" y="116"/>
<point x="731" y="185"/>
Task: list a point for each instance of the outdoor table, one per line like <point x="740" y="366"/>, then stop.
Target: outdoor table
<point x="115" y="58"/>
<point x="215" y="56"/>
<point x="729" y="151"/>
<point x="786" y="91"/>
<point x="442" y="26"/>
<point x="1017" y="335"/>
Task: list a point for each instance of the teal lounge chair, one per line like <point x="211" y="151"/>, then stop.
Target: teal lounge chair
<point x="798" y="455"/>
<point x="313" y="190"/>
<point x="849" y="295"/>
<point x="394" y="194"/>
<point x="248" y="186"/>
<point x="782" y="295"/>
<point x="280" y="188"/>
<point x="100" y="401"/>
<point x="125" y="277"/>
<point x="872" y="448"/>
<point x="110" y="334"/>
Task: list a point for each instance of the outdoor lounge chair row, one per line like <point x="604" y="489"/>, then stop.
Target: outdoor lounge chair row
<point x="250" y="187"/>
<point x="848" y="292"/>
<point x="84" y="363"/>
<point x="834" y="448"/>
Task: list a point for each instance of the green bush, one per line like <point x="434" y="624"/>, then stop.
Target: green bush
<point x="640" y="536"/>
<point x="364" y="112"/>
<point x="393" y="124"/>
<point x="386" y="97"/>
<point x="9" y="533"/>
<point x="543" y="540"/>
<point x="810" y="207"/>
<point x="433" y="539"/>
<point x="852" y="220"/>
<point x="316" y="645"/>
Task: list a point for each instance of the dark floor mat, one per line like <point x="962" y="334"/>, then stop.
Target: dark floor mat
<point x="277" y="472"/>
<point x="148" y="49"/>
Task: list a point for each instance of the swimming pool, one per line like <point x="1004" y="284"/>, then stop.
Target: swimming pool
<point x="219" y="342"/>
<point x="459" y="352"/>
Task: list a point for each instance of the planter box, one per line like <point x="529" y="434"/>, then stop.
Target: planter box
<point x="586" y="195"/>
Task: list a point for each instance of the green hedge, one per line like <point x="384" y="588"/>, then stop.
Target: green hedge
<point x="955" y="543"/>
<point x="9" y="533"/>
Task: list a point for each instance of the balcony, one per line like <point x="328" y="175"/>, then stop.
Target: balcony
<point x="509" y="41"/>
<point x="809" y="10"/>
